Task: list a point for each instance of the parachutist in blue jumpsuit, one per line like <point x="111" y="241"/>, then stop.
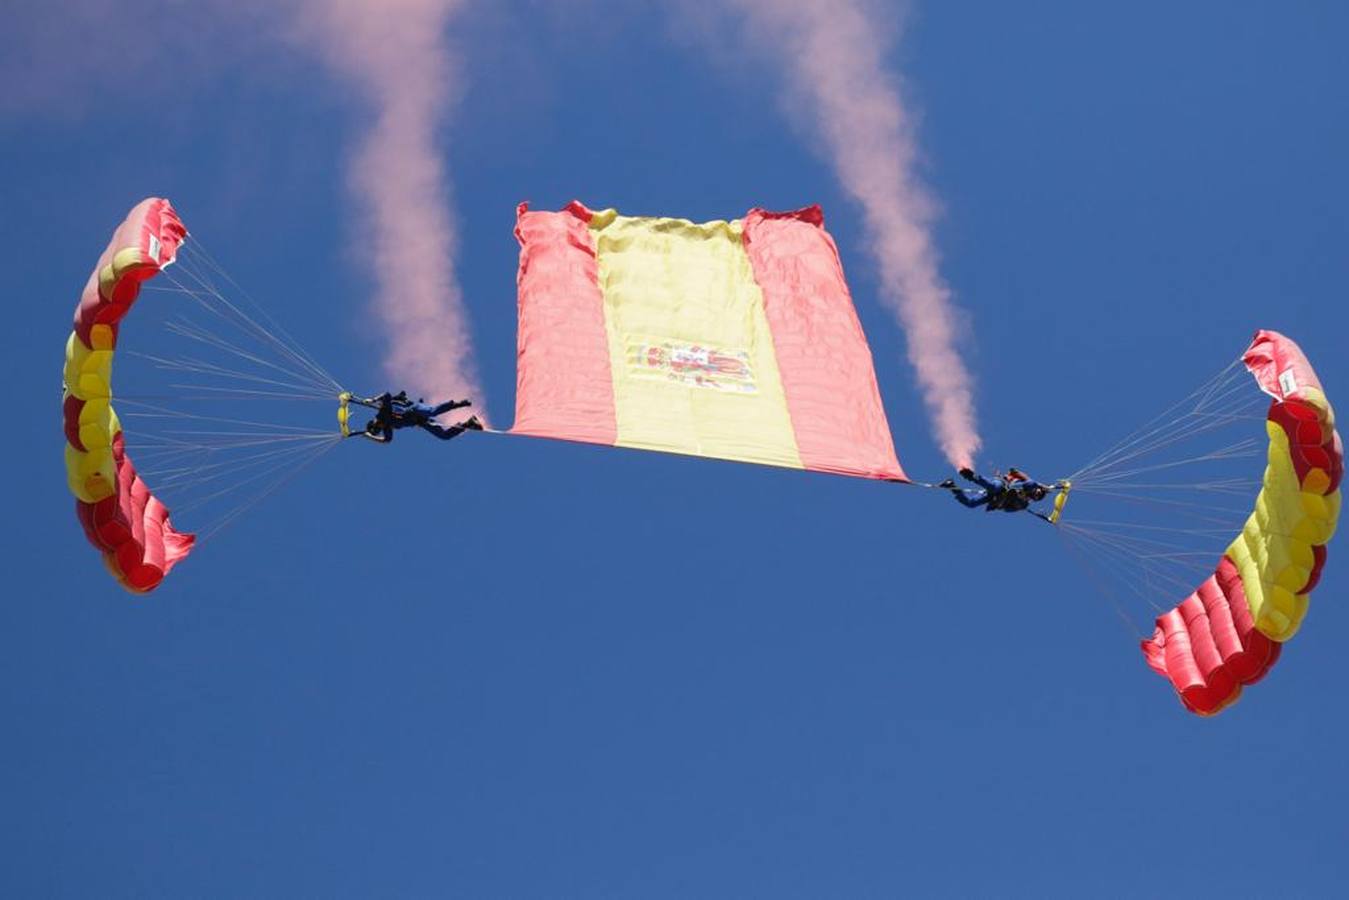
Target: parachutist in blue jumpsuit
<point x="1012" y="492"/>
<point x="394" y="411"/>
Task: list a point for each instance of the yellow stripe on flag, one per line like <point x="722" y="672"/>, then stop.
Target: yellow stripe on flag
<point x="692" y="354"/>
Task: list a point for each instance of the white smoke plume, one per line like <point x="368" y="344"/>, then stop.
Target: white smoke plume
<point x="832" y="56"/>
<point x="395" y="53"/>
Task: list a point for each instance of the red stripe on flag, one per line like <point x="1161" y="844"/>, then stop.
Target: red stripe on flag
<point x="564" y="386"/>
<point x="822" y="354"/>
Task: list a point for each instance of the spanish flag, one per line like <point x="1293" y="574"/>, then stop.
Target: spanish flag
<point x="732" y="340"/>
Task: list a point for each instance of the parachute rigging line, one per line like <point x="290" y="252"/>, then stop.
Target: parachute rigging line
<point x="215" y="356"/>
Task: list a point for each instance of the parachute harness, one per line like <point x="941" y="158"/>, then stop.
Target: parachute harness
<point x="344" y="413"/>
<point x="1060" y="501"/>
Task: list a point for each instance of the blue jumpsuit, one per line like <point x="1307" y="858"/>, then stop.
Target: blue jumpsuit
<point x="1008" y="496"/>
<point x="394" y="413"/>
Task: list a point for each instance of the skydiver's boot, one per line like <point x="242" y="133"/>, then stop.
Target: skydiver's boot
<point x="948" y="485"/>
<point x="471" y="424"/>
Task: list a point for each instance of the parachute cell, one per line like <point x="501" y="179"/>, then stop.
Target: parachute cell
<point x="120" y="515"/>
<point x="1230" y="631"/>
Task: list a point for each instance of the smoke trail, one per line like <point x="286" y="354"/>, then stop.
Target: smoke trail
<point x="394" y="52"/>
<point x="833" y="58"/>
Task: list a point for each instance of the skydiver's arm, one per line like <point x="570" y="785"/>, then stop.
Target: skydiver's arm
<point x="385" y="415"/>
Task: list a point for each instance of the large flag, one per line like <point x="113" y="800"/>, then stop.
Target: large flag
<point x="734" y="340"/>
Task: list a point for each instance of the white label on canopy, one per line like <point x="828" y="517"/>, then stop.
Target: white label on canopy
<point x="1288" y="382"/>
<point x="154" y="249"/>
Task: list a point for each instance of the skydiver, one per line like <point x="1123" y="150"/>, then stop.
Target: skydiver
<point x="394" y="411"/>
<point x="1013" y="492"/>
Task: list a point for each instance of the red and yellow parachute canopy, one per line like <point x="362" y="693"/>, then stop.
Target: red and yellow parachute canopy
<point x="121" y="517"/>
<point x="1229" y="632"/>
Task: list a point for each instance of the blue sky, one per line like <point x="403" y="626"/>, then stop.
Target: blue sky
<point x="515" y="668"/>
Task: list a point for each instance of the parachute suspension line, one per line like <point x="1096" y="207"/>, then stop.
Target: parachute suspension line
<point x="282" y="463"/>
<point x="1192" y="549"/>
<point x="1163" y="556"/>
<point x="287" y="472"/>
<point x="292" y="379"/>
<point x="1245" y="448"/>
<point x="1153" y="556"/>
<point x="1214" y="423"/>
<point x="194" y="331"/>
<point x="222" y="421"/>
<point x="1151" y="561"/>
<point x="1108" y="557"/>
<point x="185" y="442"/>
<point x="1241" y="447"/>
<point x="1200" y="510"/>
<point x="1168" y="568"/>
<point x="1164" y="421"/>
<point x="1151" y="576"/>
<point x="198" y="247"/>
<point x="1135" y="526"/>
<point x="183" y="468"/>
<point x="222" y="306"/>
<point x="194" y="459"/>
<point x="1184" y="428"/>
<point x="211" y="392"/>
<point x="1102" y="584"/>
<point x="1148" y="429"/>
<point x="167" y="412"/>
<point x="1106" y="571"/>
<point x="1204" y="421"/>
<point x="1238" y="487"/>
<point x="187" y="476"/>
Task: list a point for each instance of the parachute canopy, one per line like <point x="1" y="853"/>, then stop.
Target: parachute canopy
<point x="121" y="517"/>
<point x="1230" y="631"/>
<point x="734" y="340"/>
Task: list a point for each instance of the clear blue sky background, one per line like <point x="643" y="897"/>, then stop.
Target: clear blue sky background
<point x="615" y="674"/>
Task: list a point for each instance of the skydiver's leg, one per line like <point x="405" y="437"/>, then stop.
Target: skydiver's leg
<point x="972" y="499"/>
<point x="449" y="405"/>
<point x="985" y="483"/>
<point x="441" y="431"/>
